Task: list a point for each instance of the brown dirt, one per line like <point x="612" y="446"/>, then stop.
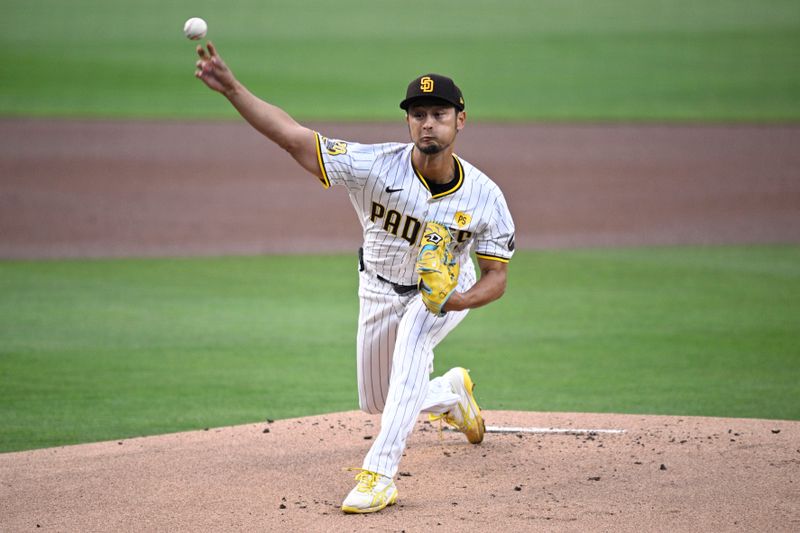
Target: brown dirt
<point x="92" y="188"/>
<point x="717" y="475"/>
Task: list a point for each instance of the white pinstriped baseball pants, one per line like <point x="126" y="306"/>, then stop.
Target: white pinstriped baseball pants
<point x="396" y="338"/>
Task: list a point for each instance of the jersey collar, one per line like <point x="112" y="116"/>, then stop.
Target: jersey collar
<point x="454" y="188"/>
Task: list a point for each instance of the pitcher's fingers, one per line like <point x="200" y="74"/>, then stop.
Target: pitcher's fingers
<point x="211" y="49"/>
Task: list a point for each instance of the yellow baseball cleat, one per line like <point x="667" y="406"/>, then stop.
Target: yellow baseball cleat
<point x="373" y="492"/>
<point x="466" y="415"/>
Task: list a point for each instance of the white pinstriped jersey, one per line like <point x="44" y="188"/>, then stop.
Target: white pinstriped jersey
<point x="393" y="201"/>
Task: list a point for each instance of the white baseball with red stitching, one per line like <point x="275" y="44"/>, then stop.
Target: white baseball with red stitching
<point x="195" y="28"/>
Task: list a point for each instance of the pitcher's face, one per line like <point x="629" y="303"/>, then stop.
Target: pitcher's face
<point x="432" y="127"/>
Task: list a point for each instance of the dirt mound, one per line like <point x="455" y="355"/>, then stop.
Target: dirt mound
<point x="662" y="474"/>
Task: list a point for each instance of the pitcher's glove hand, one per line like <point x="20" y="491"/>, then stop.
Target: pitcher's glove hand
<point x="437" y="267"/>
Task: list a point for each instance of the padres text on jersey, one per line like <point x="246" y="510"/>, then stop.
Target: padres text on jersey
<point x="393" y="201"/>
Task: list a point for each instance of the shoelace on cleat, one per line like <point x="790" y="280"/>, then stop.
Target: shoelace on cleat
<point x="366" y="479"/>
<point x="434" y="418"/>
<point x="469" y="420"/>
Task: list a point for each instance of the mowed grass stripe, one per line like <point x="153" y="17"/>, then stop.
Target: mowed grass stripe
<point x="515" y="59"/>
<point x="106" y="349"/>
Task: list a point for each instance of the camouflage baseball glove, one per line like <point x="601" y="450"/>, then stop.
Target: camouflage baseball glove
<point x="437" y="267"/>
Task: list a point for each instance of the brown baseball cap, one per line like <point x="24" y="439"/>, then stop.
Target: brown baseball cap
<point x="434" y="86"/>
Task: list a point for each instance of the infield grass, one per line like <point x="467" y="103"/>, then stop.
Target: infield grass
<point x="108" y="349"/>
<point x="514" y="59"/>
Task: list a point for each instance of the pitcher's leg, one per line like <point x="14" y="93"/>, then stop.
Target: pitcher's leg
<point x="417" y="335"/>
<point x="440" y="397"/>
<point x="377" y="329"/>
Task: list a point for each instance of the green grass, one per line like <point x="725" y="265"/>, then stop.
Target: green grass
<point x="106" y="349"/>
<point x="515" y="59"/>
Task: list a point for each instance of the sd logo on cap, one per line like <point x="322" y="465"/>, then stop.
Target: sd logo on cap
<point x="434" y="86"/>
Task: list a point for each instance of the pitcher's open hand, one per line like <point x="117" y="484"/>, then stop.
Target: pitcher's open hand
<point x="213" y="71"/>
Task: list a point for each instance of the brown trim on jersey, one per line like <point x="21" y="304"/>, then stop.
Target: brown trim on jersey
<point x="493" y="257"/>
<point x="455" y="187"/>
<point x="324" y="178"/>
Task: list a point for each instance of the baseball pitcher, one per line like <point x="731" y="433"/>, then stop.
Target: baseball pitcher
<point x="423" y="210"/>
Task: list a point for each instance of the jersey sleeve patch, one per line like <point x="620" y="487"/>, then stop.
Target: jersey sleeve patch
<point x="334" y="147"/>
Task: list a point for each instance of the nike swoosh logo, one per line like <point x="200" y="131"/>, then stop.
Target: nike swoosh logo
<point x="390" y="190"/>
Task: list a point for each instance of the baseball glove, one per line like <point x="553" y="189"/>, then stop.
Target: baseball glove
<point x="437" y="267"/>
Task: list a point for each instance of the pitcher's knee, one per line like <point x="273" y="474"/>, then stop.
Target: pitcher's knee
<point x="370" y="407"/>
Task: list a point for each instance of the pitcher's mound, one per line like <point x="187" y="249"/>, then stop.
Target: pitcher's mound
<point x="661" y="474"/>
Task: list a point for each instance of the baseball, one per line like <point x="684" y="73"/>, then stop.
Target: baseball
<point x="195" y="28"/>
